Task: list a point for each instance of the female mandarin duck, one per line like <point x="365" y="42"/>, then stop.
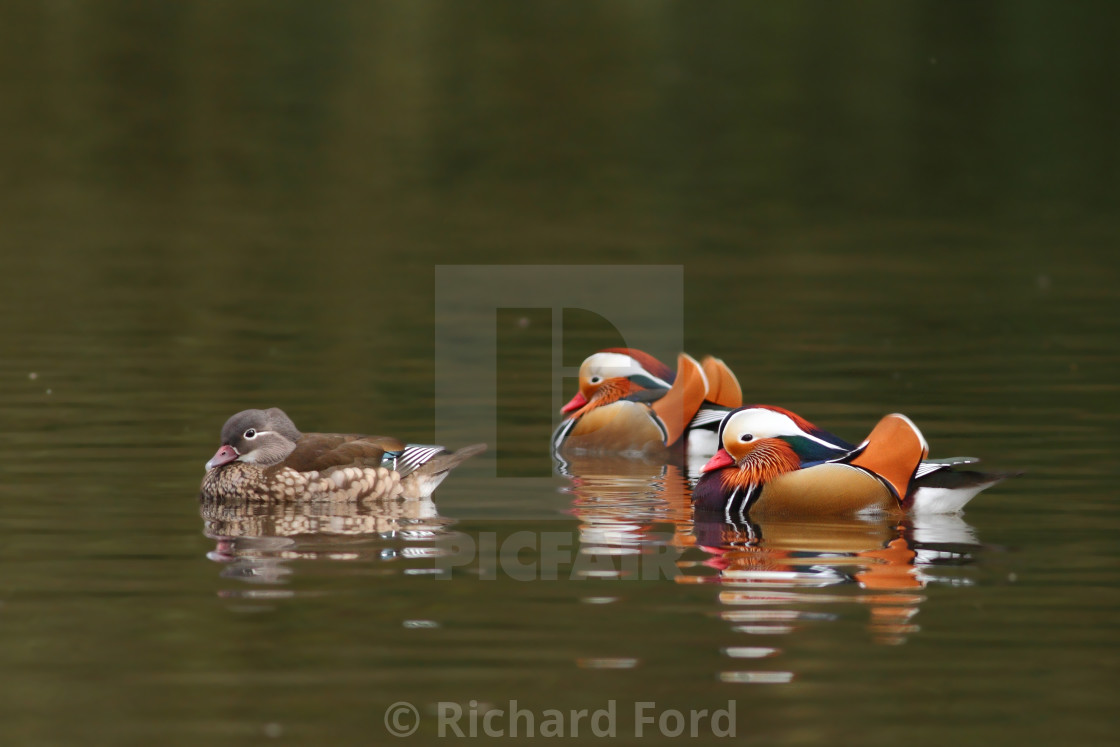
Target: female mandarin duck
<point x="264" y="457"/>
<point x="775" y="463"/>
<point x="631" y="403"/>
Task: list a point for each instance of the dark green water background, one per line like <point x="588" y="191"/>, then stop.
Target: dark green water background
<point x="873" y="206"/>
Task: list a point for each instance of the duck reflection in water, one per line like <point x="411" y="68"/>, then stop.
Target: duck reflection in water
<point x="272" y="493"/>
<point x="257" y="542"/>
<point x="776" y="578"/>
<point x="635" y="516"/>
<point x="771" y="571"/>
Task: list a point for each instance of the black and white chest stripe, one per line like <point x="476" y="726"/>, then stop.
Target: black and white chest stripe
<point x="740" y="501"/>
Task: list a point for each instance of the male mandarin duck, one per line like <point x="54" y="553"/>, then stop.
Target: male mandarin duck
<point x="264" y="457"/>
<point x="631" y="403"/>
<point x="775" y="463"/>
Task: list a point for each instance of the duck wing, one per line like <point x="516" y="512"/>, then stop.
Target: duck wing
<point x="320" y="452"/>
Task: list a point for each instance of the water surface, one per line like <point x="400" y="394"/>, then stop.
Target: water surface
<point x="873" y="208"/>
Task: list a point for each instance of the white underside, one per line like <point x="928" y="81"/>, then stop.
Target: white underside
<point x="943" y="500"/>
<point x="701" y="446"/>
<point x="426" y="484"/>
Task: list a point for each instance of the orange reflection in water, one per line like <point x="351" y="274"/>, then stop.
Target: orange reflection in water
<point x="777" y="578"/>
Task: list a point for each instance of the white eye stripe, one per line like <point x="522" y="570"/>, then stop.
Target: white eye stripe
<point x="617" y="365"/>
<point x="764" y="423"/>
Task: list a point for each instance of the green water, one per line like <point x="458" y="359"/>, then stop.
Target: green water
<point x="337" y="208"/>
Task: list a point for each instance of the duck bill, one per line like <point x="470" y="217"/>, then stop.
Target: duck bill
<point x="577" y="402"/>
<point x="224" y="455"/>
<point x="719" y="461"/>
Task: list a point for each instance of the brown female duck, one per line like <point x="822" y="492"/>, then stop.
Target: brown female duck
<point x="264" y="457"/>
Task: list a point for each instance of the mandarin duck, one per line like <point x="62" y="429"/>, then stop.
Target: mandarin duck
<point x="265" y="458"/>
<point x="773" y="462"/>
<point x="633" y="404"/>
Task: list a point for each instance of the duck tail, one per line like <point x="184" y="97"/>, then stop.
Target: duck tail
<point x="425" y="476"/>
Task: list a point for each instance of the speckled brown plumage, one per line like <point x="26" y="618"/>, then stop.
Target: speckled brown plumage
<point x="238" y="480"/>
<point x="264" y="458"/>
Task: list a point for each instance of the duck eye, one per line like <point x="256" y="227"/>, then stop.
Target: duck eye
<point x="746" y="437"/>
<point x="251" y="433"/>
<point x="595" y="379"/>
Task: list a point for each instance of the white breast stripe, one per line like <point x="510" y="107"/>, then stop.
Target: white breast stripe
<point x="727" y="507"/>
<point x="562" y="432"/>
<point x="752" y="493"/>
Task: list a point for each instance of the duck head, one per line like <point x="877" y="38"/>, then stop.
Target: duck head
<point x="811" y="444"/>
<point x="261" y="437"/>
<point x="756" y="443"/>
<point x="615" y="373"/>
